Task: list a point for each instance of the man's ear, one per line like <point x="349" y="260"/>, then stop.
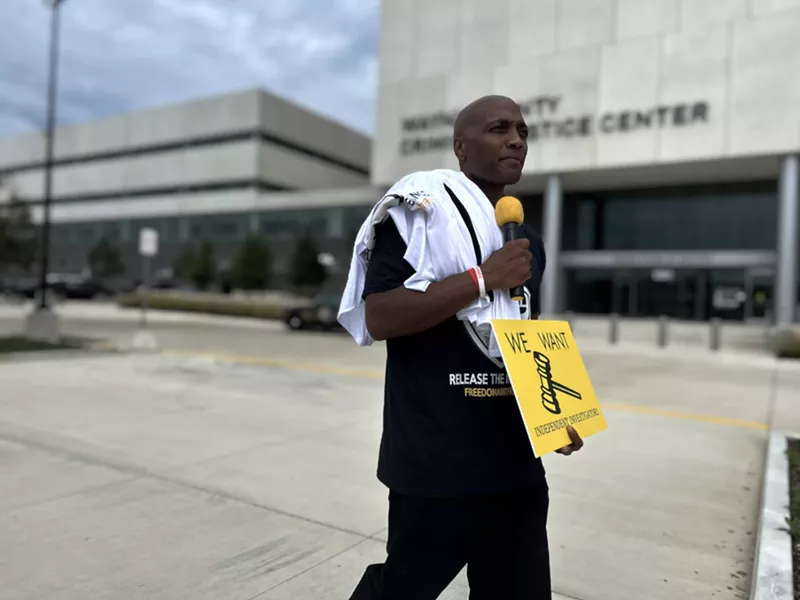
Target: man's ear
<point x="459" y="149"/>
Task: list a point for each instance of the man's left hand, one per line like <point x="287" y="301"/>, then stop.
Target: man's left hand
<point x="577" y="442"/>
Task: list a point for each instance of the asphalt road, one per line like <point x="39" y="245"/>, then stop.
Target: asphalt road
<point x="175" y="331"/>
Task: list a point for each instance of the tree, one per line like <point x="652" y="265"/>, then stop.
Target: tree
<point x="182" y="266"/>
<point x="252" y="265"/>
<point x="203" y="268"/>
<point x="17" y="233"/>
<point x="105" y="260"/>
<point x="306" y="268"/>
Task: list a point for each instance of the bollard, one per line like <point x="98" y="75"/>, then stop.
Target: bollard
<point x="570" y="318"/>
<point x="662" y="331"/>
<point x="613" y="332"/>
<point x="715" y="334"/>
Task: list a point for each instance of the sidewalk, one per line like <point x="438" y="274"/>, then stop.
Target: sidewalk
<point x="183" y="476"/>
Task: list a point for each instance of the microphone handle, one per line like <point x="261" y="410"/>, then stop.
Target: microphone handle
<point x="509" y="235"/>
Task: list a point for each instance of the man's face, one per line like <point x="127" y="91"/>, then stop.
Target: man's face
<point x="495" y="145"/>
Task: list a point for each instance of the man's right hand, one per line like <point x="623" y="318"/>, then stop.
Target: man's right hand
<point x="509" y="267"/>
<point x="401" y="311"/>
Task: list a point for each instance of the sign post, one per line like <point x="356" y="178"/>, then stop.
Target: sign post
<point x="148" y="248"/>
<point x="550" y="382"/>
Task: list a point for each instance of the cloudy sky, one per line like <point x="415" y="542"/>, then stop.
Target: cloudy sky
<point x="120" y="55"/>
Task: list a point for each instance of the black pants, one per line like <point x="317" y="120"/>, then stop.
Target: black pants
<point x="502" y="540"/>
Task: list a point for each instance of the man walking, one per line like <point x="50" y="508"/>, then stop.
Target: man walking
<point x="465" y="486"/>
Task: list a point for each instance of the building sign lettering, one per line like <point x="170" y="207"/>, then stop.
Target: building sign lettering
<point x="545" y="123"/>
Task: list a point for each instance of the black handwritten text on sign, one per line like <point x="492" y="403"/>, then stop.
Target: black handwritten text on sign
<point x="518" y="342"/>
<point x="554" y="341"/>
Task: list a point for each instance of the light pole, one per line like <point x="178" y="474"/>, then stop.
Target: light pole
<point x="52" y="87"/>
<point x="42" y="324"/>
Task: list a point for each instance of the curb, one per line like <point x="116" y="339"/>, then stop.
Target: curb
<point x="772" y="568"/>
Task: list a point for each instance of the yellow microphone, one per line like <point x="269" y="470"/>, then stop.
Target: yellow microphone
<point x="509" y="215"/>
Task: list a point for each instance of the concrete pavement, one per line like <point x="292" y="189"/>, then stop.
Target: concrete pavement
<point x="223" y="334"/>
<point x="240" y="464"/>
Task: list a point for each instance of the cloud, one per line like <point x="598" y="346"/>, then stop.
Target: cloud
<point x="132" y="54"/>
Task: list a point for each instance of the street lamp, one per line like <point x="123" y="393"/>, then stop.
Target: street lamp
<point x="52" y="86"/>
<point x="42" y="324"/>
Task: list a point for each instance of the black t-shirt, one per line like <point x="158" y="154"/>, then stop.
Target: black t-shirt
<point x="451" y="424"/>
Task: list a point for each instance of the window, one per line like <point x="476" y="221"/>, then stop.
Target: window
<point x="218" y="227"/>
<point x="295" y="223"/>
<point x="742" y="217"/>
<point x="168" y="228"/>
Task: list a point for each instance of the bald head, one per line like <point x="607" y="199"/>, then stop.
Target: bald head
<point x="475" y="112"/>
<point x="490" y="140"/>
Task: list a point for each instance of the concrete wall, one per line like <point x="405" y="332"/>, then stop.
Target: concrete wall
<point x="292" y="122"/>
<point x="206" y="117"/>
<point x="300" y="149"/>
<point x="228" y="161"/>
<point x="293" y="170"/>
<point x="218" y="163"/>
<point x="725" y="72"/>
<point x="211" y="202"/>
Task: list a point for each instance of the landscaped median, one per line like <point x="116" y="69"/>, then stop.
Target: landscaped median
<point x="18" y="344"/>
<point x="268" y="305"/>
<point x="787" y="342"/>
<point x="775" y="570"/>
<point x="793" y="454"/>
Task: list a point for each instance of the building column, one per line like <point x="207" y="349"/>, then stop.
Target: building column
<point x="553" y="207"/>
<point x="786" y="277"/>
<point x="184" y="230"/>
<point x="125" y="232"/>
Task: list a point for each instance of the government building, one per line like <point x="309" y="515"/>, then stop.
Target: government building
<point x="217" y="170"/>
<point x="662" y="169"/>
<point x="664" y="136"/>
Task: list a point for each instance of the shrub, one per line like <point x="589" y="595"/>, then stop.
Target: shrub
<point x="252" y="266"/>
<point x="204" y="303"/>
<point x="787" y="343"/>
<point x="203" y="271"/>
<point x="105" y="260"/>
<point x="307" y="272"/>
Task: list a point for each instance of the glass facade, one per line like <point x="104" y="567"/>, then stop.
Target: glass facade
<point x="293" y="223"/>
<point x="333" y="228"/>
<point x="168" y="228"/>
<point x="647" y="224"/>
<point x="212" y="227"/>
<point x="534" y="211"/>
<point x="685" y="294"/>
<point x="741" y="217"/>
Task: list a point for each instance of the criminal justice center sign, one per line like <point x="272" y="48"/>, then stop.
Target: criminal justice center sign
<point x="546" y="122"/>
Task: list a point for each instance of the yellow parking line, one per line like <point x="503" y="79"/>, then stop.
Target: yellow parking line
<point x="378" y="375"/>
<point x="675" y="414"/>
<point x="285" y="364"/>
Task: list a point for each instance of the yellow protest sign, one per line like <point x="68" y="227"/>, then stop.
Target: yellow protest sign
<point x="550" y="381"/>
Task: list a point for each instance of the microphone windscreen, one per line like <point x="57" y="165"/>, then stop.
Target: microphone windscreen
<point x="509" y="210"/>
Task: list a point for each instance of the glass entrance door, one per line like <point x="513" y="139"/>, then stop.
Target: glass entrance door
<point x="685" y="294"/>
<point x="696" y="294"/>
<point x="655" y="292"/>
<point x="670" y="292"/>
<point x="759" y="288"/>
<point x="624" y="296"/>
<point x="726" y="294"/>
